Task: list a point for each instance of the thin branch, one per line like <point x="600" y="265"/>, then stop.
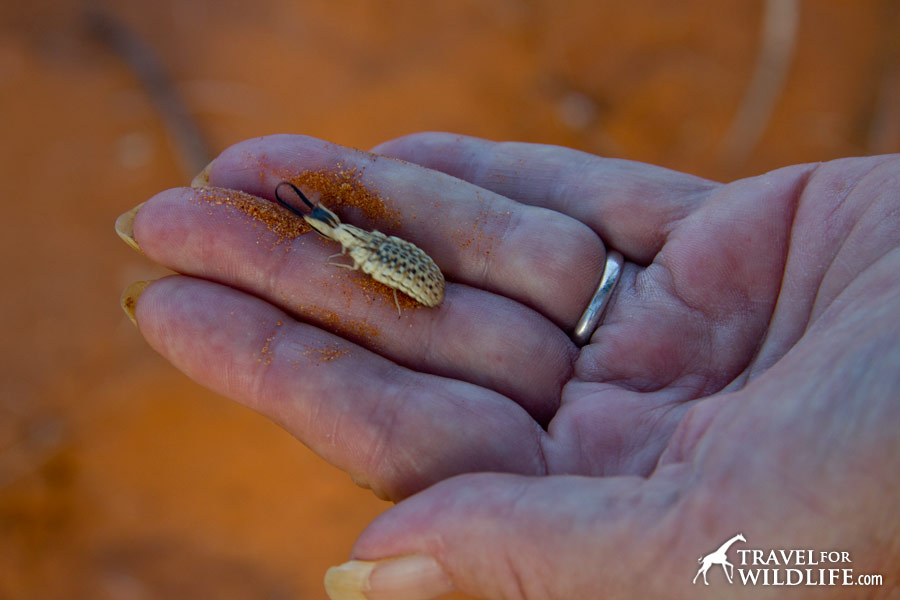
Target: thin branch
<point x="190" y="142"/>
<point x="778" y="38"/>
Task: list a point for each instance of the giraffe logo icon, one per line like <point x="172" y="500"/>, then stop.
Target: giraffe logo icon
<point x="719" y="557"/>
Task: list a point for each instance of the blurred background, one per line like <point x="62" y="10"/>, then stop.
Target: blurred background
<point x="122" y="479"/>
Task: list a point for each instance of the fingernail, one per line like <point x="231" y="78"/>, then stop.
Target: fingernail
<point x="130" y="297"/>
<point x="201" y="180"/>
<point x="414" y="577"/>
<point x="125" y="227"/>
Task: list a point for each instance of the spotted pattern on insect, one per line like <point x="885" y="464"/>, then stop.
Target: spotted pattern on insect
<point x="398" y="264"/>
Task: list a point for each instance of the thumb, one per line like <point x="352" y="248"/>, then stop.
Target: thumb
<point x="517" y="537"/>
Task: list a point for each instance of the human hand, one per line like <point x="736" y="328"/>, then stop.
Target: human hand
<point x="744" y="377"/>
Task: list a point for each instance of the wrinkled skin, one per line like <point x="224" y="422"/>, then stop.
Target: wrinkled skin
<point x="746" y="376"/>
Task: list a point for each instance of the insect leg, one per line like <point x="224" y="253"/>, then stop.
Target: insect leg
<point x="342" y="265"/>
<point x="354" y="266"/>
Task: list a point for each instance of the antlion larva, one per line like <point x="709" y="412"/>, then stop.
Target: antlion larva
<point x="398" y="264"/>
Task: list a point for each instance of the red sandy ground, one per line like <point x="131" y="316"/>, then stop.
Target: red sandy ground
<point x="122" y="479"/>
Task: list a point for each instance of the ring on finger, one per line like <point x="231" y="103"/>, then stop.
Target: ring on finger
<point x="593" y="314"/>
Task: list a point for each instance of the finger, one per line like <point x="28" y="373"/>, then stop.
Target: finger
<point x="508" y="536"/>
<point x="256" y="246"/>
<point x="391" y="428"/>
<point x="632" y="206"/>
<point x="540" y="258"/>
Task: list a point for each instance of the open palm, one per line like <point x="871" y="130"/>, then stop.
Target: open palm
<point x="745" y="377"/>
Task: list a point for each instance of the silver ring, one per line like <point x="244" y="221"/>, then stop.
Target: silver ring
<point x="594" y="312"/>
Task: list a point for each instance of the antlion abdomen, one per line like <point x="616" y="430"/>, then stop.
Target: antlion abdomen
<point x="396" y="263"/>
